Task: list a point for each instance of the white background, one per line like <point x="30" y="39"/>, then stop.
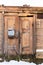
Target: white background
<point x="22" y="2"/>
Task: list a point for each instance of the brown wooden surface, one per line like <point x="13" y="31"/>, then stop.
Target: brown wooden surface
<point x="11" y="44"/>
<point x="39" y="36"/>
<point x="39" y="55"/>
<point x="1" y="34"/>
<point x="24" y="20"/>
<point x="26" y="35"/>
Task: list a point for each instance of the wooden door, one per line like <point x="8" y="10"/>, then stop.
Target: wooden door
<point x="26" y="35"/>
<point x="11" y="45"/>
